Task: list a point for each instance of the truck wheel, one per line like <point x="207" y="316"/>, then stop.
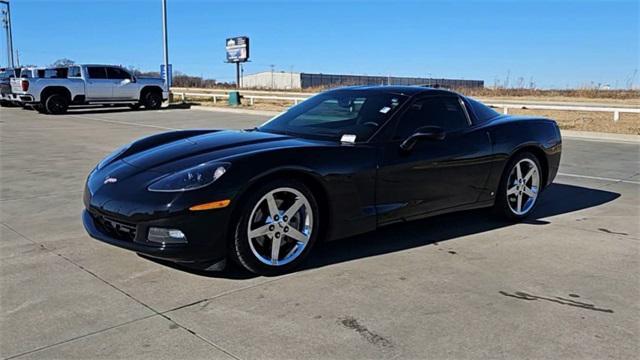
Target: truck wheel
<point x="4" y="103"/>
<point x="152" y="100"/>
<point x="56" y="104"/>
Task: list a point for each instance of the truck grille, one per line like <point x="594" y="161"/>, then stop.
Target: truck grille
<point x="115" y="228"/>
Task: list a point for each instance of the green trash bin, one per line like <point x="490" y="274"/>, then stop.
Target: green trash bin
<point x="234" y="98"/>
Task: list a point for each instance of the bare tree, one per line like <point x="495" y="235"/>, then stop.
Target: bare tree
<point x="63" y="62"/>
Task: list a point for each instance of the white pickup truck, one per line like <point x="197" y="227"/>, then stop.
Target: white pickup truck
<point x="89" y="84"/>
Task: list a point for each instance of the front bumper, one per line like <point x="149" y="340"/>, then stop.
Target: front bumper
<point x="205" y="232"/>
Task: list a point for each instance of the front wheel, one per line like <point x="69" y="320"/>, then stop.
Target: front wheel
<point x="520" y="187"/>
<point x="152" y="100"/>
<point x="277" y="228"/>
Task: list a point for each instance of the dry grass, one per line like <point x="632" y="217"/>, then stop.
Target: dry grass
<point x="588" y="121"/>
<point x="571" y="120"/>
<point x="590" y="94"/>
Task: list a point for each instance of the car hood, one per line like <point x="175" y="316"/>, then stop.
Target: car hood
<point x="220" y="145"/>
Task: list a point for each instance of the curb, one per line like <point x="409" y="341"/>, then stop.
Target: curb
<point x="600" y="136"/>
<point x="235" y="111"/>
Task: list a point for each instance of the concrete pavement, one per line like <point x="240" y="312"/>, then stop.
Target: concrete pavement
<point x="563" y="284"/>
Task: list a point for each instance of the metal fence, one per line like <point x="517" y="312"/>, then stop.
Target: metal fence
<point x="295" y="98"/>
<point x="329" y="80"/>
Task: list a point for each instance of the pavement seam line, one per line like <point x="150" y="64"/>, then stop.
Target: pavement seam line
<point x="228" y="292"/>
<point x="623" y="180"/>
<point x="121" y="122"/>
<point x="79" y="337"/>
<point x="155" y="312"/>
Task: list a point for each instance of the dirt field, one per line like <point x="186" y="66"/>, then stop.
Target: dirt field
<point x="588" y="121"/>
<point x="629" y="123"/>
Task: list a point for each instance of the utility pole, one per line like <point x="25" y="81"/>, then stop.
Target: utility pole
<point x="238" y="75"/>
<point x="272" y="66"/>
<point x="165" y="43"/>
<point x="6" y="23"/>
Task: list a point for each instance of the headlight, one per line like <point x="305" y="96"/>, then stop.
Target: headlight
<point x="119" y="151"/>
<point x="190" y="179"/>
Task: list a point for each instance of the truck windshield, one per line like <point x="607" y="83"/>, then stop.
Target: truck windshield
<point x="336" y="113"/>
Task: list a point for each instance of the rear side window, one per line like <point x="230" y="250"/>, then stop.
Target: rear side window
<point x="444" y="112"/>
<point x="97" y="72"/>
<point x="117" y="73"/>
<point x="74" y="72"/>
<point x="56" y="73"/>
<point x="482" y="112"/>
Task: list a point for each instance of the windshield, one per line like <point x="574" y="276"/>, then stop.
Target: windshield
<point x="336" y="113"/>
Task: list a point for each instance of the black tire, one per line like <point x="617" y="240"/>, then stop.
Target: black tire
<point x="152" y="100"/>
<point x="240" y="249"/>
<point x="56" y="104"/>
<point x="134" y="106"/>
<point x="504" y="202"/>
<point x="4" y="103"/>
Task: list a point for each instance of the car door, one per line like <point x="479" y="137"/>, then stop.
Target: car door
<point x="436" y="174"/>
<point x="124" y="86"/>
<point x="98" y="86"/>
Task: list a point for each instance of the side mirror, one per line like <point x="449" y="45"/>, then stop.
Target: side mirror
<point x="435" y="133"/>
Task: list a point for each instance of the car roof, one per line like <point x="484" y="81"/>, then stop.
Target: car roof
<point x="399" y="89"/>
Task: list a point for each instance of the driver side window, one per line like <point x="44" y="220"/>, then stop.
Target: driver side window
<point x="117" y="74"/>
<point x="441" y="111"/>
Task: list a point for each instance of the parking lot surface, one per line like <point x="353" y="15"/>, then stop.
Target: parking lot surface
<point x="563" y="284"/>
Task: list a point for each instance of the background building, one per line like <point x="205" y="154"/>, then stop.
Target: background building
<point x="295" y="80"/>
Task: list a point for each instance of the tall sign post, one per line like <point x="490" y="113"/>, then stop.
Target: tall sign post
<point x="237" y="52"/>
<point x="165" y="47"/>
<point x="6" y="23"/>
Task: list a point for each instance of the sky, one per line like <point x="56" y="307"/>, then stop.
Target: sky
<point x="555" y="44"/>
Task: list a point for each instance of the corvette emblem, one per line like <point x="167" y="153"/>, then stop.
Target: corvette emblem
<point x="110" y="180"/>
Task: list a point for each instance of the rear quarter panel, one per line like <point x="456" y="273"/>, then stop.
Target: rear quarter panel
<point x="37" y="86"/>
<point x="511" y="134"/>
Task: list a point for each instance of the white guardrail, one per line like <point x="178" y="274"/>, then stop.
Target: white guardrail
<point x="505" y="107"/>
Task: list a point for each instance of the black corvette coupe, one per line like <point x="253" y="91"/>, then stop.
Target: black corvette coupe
<point x="341" y="163"/>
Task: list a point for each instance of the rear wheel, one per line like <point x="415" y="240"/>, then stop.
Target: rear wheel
<point x="56" y="104"/>
<point x="152" y="100"/>
<point x="277" y="228"/>
<point x="520" y="187"/>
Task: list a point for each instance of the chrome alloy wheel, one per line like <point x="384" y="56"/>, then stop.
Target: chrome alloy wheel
<point x="280" y="226"/>
<point x="523" y="186"/>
